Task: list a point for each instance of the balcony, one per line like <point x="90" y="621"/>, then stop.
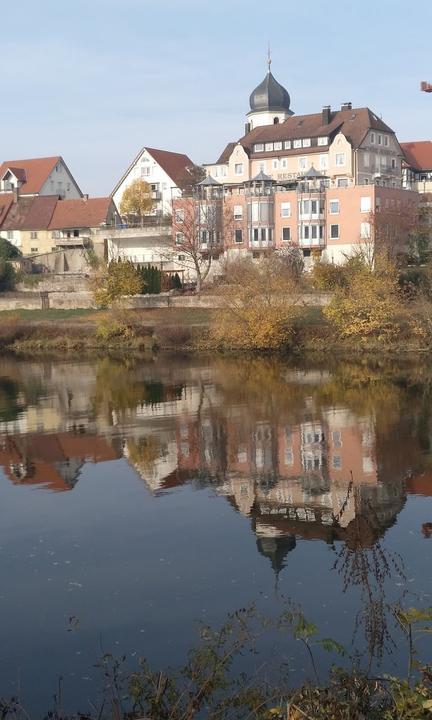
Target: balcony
<point x="312" y="243"/>
<point x="72" y="242"/>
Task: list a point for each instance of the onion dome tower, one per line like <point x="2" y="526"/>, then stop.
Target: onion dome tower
<point x="269" y="102"/>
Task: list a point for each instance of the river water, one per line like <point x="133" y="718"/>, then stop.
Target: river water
<point x="138" y="499"/>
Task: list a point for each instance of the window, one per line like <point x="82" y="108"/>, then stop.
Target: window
<point x="238" y="168"/>
<point x="337" y="462"/>
<point x="179" y="216"/>
<point x="204" y="236"/>
<point x="55" y="234"/>
<point x="76" y="233"/>
<point x="372" y="138"/>
<point x="238" y="212"/>
<point x="365" y="204"/>
<point x="323" y="161"/>
<point x="287" y="144"/>
<point x="323" y="140"/>
<point x="275" y="164"/>
<point x="383" y="161"/>
<point x="33" y="235"/>
<point x="259" y="147"/>
<point x="269" y="147"/>
<point x="365" y="230"/>
<point x="334" y="232"/>
<point x="181" y="257"/>
<point x="337" y="438"/>
<point x="10" y="234"/>
<point x="306" y="142"/>
<point x="302" y="163"/>
<point x="286" y="234"/>
<point x="284" y="163"/>
<point x="297" y="143"/>
<point x="334" y="207"/>
<point x="33" y="249"/>
<point x="285" y="209"/>
<point x="393" y="163"/>
<point x="340" y="159"/>
<point x="278" y="146"/>
<point x="342" y="182"/>
<point x="238" y="235"/>
<point x="379" y="139"/>
<point x="386" y="140"/>
<point x="366" y="159"/>
<point x="145" y="171"/>
<point x="179" y="238"/>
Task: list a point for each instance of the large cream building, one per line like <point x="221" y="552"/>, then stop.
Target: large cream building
<point x="317" y="181"/>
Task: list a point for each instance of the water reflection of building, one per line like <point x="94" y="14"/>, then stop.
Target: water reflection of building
<point x="51" y="460"/>
<point x="306" y="472"/>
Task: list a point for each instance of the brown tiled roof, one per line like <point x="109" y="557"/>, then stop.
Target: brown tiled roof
<point x="418" y="155"/>
<point x="30" y="213"/>
<point x="6" y="200"/>
<point x="353" y="123"/>
<point x="226" y="153"/>
<point x="81" y="213"/>
<point x="35" y="172"/>
<point x="175" y="165"/>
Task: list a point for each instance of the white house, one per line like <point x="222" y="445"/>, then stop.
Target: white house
<point x="168" y="173"/>
<point x="39" y="176"/>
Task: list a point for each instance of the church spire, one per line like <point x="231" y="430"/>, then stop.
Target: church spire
<point x="269" y="58"/>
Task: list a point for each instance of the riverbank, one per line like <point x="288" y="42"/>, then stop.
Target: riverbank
<point x="60" y="331"/>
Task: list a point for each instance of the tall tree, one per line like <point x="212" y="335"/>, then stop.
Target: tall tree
<point x="137" y="200"/>
<point x="199" y="227"/>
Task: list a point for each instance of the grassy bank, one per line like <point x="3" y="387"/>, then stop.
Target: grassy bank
<point x="59" y="331"/>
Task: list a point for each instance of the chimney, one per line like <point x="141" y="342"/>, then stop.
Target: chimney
<point x="326" y="115"/>
<point x="346" y="106"/>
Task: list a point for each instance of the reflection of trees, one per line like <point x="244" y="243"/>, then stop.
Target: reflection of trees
<point x="118" y="389"/>
<point x="363" y="563"/>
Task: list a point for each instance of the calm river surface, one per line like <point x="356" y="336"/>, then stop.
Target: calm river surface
<point x="138" y="499"/>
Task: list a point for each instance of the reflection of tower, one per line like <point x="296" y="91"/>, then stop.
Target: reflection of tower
<point x="276" y="549"/>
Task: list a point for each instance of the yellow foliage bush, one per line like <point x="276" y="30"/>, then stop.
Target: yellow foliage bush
<point x="369" y="306"/>
<point x="260" y="306"/>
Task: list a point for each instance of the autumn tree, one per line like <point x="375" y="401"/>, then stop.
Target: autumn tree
<point x="137" y="200"/>
<point x="260" y="303"/>
<point x="114" y="281"/>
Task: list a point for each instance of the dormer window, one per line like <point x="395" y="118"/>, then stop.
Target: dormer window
<point x="297" y="143"/>
<point x="323" y="140"/>
<point x="287" y="145"/>
<point x="306" y="142"/>
<point x="269" y="147"/>
<point x="259" y="147"/>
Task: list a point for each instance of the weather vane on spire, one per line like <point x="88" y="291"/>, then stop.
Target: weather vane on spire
<point x="269" y="60"/>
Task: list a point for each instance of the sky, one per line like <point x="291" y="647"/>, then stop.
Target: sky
<point x="96" y="80"/>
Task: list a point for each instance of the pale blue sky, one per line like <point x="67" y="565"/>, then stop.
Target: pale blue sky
<point x="95" y="80"/>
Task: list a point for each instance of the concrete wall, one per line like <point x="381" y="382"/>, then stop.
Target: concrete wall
<point x="82" y="299"/>
<point x="53" y="282"/>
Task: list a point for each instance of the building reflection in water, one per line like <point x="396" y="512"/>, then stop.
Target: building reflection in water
<point x="297" y="464"/>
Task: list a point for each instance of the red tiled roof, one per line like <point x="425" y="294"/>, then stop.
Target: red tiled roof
<point x="418" y="155"/>
<point x="34" y="171"/>
<point x="30" y="213"/>
<point x="81" y="213"/>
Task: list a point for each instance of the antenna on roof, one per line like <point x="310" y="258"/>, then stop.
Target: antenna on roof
<point x="269" y="60"/>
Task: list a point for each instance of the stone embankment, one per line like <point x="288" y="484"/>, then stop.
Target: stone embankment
<point x="70" y="292"/>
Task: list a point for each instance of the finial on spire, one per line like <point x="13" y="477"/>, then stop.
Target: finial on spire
<point x="269" y="60"/>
